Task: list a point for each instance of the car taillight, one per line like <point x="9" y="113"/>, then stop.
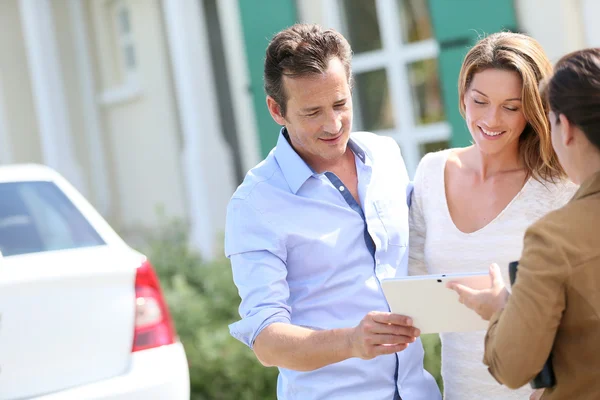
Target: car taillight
<point x="153" y="324"/>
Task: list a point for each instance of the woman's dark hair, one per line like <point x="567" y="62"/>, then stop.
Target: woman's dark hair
<point x="574" y="91"/>
<point x="302" y="50"/>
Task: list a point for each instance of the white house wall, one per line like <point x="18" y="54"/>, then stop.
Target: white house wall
<point x="207" y="160"/>
<point x="140" y="122"/>
<point x="20" y="119"/>
<point x="44" y="66"/>
<point x="556" y="24"/>
<point x="591" y="11"/>
<point x="312" y="11"/>
<point x="65" y="35"/>
<point x="5" y="141"/>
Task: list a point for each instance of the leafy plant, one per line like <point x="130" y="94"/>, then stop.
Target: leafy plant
<point x="203" y="301"/>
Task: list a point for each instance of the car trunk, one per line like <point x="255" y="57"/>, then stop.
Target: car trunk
<point x="66" y="319"/>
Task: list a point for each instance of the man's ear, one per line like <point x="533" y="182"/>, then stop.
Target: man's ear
<point x="275" y="111"/>
<point x="567" y="133"/>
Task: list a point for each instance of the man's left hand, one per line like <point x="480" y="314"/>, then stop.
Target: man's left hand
<point x="487" y="301"/>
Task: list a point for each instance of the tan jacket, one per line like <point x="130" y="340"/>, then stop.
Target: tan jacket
<point x="555" y="303"/>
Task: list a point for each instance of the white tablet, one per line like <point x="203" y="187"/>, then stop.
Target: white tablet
<point x="433" y="307"/>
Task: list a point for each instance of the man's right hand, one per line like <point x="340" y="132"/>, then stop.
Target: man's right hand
<point x="382" y="333"/>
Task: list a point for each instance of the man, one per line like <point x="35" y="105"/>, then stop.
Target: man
<point x="314" y="228"/>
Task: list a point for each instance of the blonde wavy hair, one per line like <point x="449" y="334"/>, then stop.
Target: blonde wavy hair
<point x="524" y="55"/>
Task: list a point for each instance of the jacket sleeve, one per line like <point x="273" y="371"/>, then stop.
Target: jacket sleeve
<point x="520" y="337"/>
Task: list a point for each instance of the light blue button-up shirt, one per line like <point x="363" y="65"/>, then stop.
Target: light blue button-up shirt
<point x="300" y="256"/>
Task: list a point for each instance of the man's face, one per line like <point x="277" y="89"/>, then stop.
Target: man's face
<point x="319" y="115"/>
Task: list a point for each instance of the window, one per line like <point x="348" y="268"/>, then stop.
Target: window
<point x="397" y="86"/>
<point x="37" y="217"/>
<point x="124" y="44"/>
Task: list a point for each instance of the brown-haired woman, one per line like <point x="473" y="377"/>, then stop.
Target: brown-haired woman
<point x="471" y="206"/>
<point x="555" y="302"/>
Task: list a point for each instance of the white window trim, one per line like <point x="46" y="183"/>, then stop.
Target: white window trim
<point x="125" y="93"/>
<point x="394" y="56"/>
<point x="93" y="126"/>
<point x="48" y="90"/>
<point x="129" y="89"/>
<point x="239" y="79"/>
<point x="122" y="40"/>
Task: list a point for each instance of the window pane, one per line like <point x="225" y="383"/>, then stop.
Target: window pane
<point x="124" y="25"/>
<point x="375" y="106"/>
<point x="414" y="20"/>
<point x="37" y="216"/>
<point x="433" y="146"/>
<point x="426" y="93"/>
<point x="362" y="26"/>
<point x="129" y="56"/>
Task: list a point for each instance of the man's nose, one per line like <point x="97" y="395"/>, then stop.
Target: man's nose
<point x="333" y="124"/>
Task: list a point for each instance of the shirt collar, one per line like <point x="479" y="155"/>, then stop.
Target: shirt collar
<point x="295" y="170"/>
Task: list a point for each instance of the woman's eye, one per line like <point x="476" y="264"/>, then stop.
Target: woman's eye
<point x="511" y="109"/>
<point x="478" y="102"/>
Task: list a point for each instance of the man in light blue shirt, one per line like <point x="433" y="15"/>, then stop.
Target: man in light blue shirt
<point x="313" y="230"/>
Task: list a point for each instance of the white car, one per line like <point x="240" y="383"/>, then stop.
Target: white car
<point x="82" y="315"/>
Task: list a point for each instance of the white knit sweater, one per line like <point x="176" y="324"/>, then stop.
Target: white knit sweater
<point x="437" y="246"/>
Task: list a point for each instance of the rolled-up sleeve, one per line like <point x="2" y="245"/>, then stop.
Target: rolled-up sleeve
<point x="257" y="253"/>
<point x="520" y="338"/>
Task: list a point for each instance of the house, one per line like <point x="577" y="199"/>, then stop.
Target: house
<point x="148" y="103"/>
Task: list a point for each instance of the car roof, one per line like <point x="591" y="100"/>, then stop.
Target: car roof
<point x="27" y="173"/>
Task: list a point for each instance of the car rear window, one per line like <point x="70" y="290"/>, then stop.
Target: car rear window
<point x="37" y="217"/>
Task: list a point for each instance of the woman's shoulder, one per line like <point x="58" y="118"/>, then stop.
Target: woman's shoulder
<point x="433" y="162"/>
<point x="555" y="193"/>
<point x="542" y="197"/>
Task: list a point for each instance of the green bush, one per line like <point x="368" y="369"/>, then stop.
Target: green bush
<point x="203" y="301"/>
<point x="432" y="361"/>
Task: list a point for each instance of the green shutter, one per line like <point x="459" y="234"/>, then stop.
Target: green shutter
<point x="457" y="25"/>
<point x="261" y="19"/>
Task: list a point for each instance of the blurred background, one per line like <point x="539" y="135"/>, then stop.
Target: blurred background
<point x="155" y="110"/>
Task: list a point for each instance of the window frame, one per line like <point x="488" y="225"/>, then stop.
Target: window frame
<point x="123" y="40"/>
<point x="394" y="57"/>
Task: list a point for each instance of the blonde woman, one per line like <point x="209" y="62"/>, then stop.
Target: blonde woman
<point x="471" y="206"/>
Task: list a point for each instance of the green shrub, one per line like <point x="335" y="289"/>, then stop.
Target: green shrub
<point x="203" y="301"/>
<point x="432" y="361"/>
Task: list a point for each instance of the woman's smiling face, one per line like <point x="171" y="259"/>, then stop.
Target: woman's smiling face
<point x="494" y="110"/>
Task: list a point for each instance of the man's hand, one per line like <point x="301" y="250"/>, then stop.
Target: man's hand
<point x="382" y="333"/>
<point x="484" y="302"/>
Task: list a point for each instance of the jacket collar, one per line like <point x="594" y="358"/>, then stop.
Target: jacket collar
<point x="590" y="186"/>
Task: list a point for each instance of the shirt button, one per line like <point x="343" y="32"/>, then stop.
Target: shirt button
<point x="342" y="188"/>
